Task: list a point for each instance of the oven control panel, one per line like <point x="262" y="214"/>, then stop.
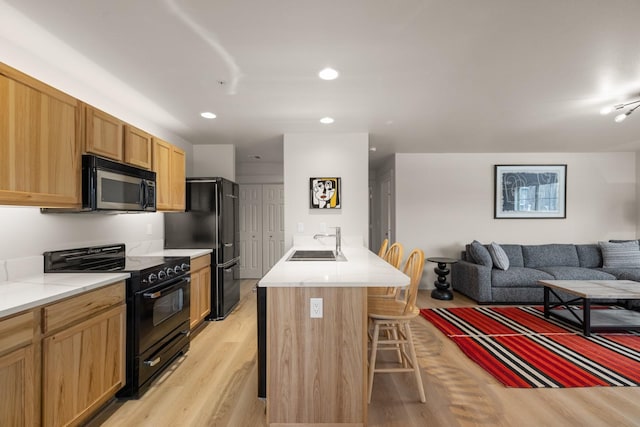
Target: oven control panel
<point x="169" y="270"/>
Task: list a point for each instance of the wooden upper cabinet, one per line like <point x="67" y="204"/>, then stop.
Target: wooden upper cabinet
<point x="169" y="165"/>
<point x="178" y="176"/>
<point x="162" y="167"/>
<point x="104" y="134"/>
<point x="137" y="147"/>
<point x="40" y="143"/>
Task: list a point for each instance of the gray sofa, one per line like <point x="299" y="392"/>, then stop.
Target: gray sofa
<point x="528" y="264"/>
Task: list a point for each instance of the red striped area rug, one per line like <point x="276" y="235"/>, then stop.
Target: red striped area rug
<point x="521" y="348"/>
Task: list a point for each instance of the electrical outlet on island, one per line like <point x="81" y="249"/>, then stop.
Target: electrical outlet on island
<point x="316" y="308"/>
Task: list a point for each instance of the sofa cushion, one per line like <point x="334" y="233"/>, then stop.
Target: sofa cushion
<point x="480" y="254"/>
<point x="590" y="256"/>
<point x="622" y="254"/>
<point x="577" y="273"/>
<point x="518" y="277"/>
<point x="550" y="255"/>
<point x="498" y="256"/>
<point x="514" y="253"/>
<point x="624" y="273"/>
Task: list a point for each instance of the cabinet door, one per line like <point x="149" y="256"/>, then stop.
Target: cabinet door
<point x="178" y="185"/>
<point x="137" y="147"/>
<point x="39" y="143"/>
<point x="205" y="292"/>
<point x="162" y="168"/>
<point x="103" y="134"/>
<point x="83" y="367"/>
<point x="194" y="309"/>
<point x="17" y="395"/>
<point x="169" y="166"/>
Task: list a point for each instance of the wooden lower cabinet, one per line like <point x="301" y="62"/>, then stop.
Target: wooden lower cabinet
<point x="83" y="362"/>
<point x="19" y="386"/>
<point x="200" y="303"/>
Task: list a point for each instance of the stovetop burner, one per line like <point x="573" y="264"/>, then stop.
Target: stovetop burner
<point x="146" y="271"/>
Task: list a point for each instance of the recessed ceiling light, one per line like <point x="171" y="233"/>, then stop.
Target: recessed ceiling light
<point x="326" y="120"/>
<point x="328" y="74"/>
<point x="208" y="115"/>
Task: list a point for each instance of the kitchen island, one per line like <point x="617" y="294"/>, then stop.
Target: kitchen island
<point x="317" y="353"/>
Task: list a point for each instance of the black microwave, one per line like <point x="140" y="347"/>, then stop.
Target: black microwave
<point x="113" y="187"/>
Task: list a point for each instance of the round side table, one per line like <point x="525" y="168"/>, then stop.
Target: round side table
<point x="442" y="290"/>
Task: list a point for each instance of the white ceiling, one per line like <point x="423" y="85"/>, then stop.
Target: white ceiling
<point x="419" y="76"/>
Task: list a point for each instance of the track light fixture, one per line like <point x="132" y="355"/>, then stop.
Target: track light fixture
<point x="622" y="116"/>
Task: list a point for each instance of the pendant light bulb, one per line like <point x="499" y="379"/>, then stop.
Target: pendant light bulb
<point x="606" y="110"/>
<point x="621" y="117"/>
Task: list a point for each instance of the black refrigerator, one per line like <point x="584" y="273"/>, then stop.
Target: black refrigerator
<point x="211" y="222"/>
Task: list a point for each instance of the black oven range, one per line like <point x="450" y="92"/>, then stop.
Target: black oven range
<point x="157" y="306"/>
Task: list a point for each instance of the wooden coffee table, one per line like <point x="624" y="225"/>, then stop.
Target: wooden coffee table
<point x="586" y="291"/>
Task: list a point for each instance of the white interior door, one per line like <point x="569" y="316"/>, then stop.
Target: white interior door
<point x="385" y="208"/>
<point x="250" y="231"/>
<point x="272" y="225"/>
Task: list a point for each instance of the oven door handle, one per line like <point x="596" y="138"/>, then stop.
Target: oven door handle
<point x="153" y="362"/>
<point x="158" y="294"/>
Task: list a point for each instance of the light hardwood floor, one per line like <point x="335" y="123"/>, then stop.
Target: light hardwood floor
<point x="215" y="385"/>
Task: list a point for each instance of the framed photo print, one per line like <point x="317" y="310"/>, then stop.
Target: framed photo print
<point x="325" y="193"/>
<point x="530" y="191"/>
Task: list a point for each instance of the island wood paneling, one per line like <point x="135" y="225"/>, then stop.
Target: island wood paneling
<point x="316" y="371"/>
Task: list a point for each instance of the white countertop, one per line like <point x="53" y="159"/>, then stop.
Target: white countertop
<point x="191" y="253"/>
<point x="363" y="268"/>
<point x="22" y="288"/>
<point x="33" y="291"/>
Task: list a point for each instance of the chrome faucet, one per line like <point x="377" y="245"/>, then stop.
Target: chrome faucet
<point x="337" y="235"/>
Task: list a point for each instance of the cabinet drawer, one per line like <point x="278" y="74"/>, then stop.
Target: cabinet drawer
<point x="82" y="306"/>
<point x="200" y="262"/>
<point x="16" y="331"/>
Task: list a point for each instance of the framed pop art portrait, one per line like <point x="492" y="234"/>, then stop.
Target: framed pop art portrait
<point x="324" y="193"/>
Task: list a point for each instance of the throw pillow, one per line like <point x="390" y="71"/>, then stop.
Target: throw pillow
<point x="499" y="256"/>
<point x="622" y="254"/>
<point x="479" y="254"/>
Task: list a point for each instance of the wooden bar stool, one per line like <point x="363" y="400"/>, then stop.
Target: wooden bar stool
<point x="392" y="316"/>
<point x="383" y="248"/>
<point x="394" y="257"/>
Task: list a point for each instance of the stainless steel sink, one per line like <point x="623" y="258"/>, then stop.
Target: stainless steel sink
<point x="315" y="255"/>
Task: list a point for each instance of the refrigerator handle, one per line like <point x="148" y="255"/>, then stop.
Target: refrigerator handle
<point x="229" y="263"/>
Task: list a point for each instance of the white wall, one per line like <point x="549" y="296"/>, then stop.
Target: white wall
<point x="215" y="160"/>
<point x="446" y="200"/>
<point x="259" y="172"/>
<point x="26" y="232"/>
<point x="637" y="194"/>
<point x="344" y="155"/>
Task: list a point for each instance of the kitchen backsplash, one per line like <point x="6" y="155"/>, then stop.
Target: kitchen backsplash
<point x="26" y="233"/>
